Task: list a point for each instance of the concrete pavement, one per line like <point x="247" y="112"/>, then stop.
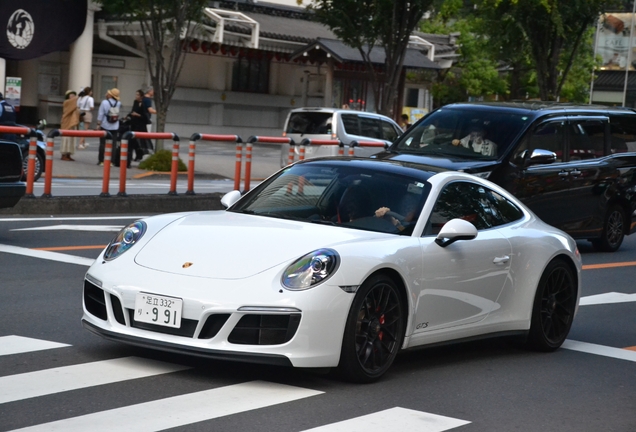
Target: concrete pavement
<point x="212" y="161"/>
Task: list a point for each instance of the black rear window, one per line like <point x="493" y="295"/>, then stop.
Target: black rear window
<point x="309" y="123"/>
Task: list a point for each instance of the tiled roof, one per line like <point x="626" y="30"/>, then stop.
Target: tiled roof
<point x="614" y="81"/>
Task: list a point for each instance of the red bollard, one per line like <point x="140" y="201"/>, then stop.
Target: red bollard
<point x="248" y="165"/>
<point x="123" y="165"/>
<point x="33" y="145"/>
<point x="48" y="178"/>
<point x="108" y="152"/>
<point x="237" y="166"/>
<point x="191" y="153"/>
<point x="175" y="168"/>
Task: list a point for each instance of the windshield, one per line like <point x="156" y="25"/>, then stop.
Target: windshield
<point x="467" y="133"/>
<point x="318" y="123"/>
<point x="338" y="195"/>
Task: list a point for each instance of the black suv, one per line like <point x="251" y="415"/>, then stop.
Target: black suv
<point x="573" y="165"/>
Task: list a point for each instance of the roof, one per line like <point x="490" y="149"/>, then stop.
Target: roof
<point x="614" y="81"/>
<point x="342" y="53"/>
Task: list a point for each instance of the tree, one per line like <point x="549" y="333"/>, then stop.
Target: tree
<point x="552" y="30"/>
<point x="367" y="24"/>
<point x="166" y="25"/>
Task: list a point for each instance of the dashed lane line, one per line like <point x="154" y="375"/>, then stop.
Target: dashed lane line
<point x="19" y="344"/>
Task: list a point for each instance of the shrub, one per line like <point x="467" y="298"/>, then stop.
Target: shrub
<point x="161" y="161"/>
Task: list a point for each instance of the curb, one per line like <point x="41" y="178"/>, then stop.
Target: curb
<point x="115" y="204"/>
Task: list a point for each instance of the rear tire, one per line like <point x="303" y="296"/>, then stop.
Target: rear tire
<point x="553" y="308"/>
<point x="374" y="331"/>
<point x="613" y="230"/>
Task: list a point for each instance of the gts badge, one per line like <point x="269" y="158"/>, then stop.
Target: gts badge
<point x="421" y="326"/>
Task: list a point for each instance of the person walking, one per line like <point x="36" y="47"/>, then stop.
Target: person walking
<point x="108" y="120"/>
<point x="139" y="118"/>
<point x="85" y="103"/>
<point x="70" y="121"/>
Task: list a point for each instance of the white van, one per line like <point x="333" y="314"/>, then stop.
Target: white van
<point x="331" y="123"/>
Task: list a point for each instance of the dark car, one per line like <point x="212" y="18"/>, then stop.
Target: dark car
<point x="40" y="155"/>
<point x="573" y="165"/>
<point x="11" y="186"/>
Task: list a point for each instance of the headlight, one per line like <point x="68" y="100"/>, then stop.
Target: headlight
<point x="312" y="269"/>
<point x="125" y="240"/>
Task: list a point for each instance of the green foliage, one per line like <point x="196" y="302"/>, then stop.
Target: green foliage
<point x="161" y="161"/>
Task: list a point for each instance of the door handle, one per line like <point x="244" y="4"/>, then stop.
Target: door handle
<point x="575" y="172"/>
<point x="501" y="260"/>
<point x="563" y="173"/>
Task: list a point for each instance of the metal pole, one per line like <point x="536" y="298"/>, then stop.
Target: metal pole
<point x="629" y="53"/>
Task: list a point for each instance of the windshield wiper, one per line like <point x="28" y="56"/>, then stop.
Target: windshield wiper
<point x="323" y="222"/>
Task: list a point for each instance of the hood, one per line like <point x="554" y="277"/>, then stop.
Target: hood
<point x="453" y="163"/>
<point x="226" y="245"/>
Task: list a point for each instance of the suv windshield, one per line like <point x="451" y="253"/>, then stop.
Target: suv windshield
<point x="340" y="195"/>
<point x="467" y="133"/>
<point x="309" y="123"/>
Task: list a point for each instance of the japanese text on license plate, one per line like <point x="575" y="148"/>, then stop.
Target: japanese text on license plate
<point x="159" y="310"/>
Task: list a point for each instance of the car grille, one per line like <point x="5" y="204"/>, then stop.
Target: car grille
<point x="265" y="329"/>
<point x="252" y="329"/>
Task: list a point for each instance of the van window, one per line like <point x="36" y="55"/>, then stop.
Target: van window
<point x="350" y="123"/>
<point x="623" y="133"/>
<point x="388" y="131"/>
<point x="309" y="123"/>
<point x="370" y="127"/>
<point x="548" y="136"/>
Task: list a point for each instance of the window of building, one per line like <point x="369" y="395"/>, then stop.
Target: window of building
<point x="251" y="74"/>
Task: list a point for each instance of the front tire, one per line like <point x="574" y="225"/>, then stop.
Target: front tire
<point x="39" y="167"/>
<point x="553" y="308"/>
<point x="613" y="230"/>
<point x="374" y="331"/>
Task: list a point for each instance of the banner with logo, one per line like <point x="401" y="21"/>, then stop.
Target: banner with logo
<point x="33" y="28"/>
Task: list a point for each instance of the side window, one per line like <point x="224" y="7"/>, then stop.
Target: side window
<point x="547" y="136"/>
<point x="370" y="127"/>
<point x="388" y="131"/>
<point x="587" y="139"/>
<point x="623" y="133"/>
<point x="350" y="123"/>
<point x="474" y="203"/>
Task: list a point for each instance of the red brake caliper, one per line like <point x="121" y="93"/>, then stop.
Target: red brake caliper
<point x="381" y="334"/>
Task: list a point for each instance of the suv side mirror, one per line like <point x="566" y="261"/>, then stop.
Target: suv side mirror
<point x="539" y="157"/>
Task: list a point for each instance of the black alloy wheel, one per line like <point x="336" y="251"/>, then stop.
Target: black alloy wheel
<point x="374" y="331"/>
<point x="613" y="230"/>
<point x="554" y="306"/>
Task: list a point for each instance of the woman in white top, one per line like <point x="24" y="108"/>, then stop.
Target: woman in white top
<point x="85" y="103"/>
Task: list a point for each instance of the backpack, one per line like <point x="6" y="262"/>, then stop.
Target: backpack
<point x="113" y="112"/>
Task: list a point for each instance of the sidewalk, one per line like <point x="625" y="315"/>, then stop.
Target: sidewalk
<point x="216" y="161"/>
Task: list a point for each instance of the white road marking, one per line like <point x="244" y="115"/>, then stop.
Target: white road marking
<point x="52" y="256"/>
<point x="601" y="350"/>
<point x="78" y="218"/>
<point x="18" y="344"/>
<point x="95" y="228"/>
<point x="607" y="298"/>
<point x="56" y="380"/>
<point x="181" y="410"/>
<point x="394" y="419"/>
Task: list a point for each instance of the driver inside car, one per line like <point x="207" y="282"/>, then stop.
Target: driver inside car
<point x="477" y="142"/>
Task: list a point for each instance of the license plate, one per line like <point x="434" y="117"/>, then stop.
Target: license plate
<point x="159" y="310"/>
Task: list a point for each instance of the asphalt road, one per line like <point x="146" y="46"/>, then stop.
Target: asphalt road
<point x="54" y="375"/>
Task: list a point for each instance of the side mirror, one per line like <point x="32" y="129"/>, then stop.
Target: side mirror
<point x="455" y="229"/>
<point x="541" y="157"/>
<point x="230" y="198"/>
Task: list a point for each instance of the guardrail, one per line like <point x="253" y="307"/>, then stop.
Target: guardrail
<point x="123" y="157"/>
<point x="219" y="138"/>
<point x="124" y="149"/>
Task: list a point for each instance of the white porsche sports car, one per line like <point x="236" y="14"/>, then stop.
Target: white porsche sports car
<point x="338" y="263"/>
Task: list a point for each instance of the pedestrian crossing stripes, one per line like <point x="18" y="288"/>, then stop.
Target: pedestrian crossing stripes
<point x="50" y="381"/>
<point x="181" y="410"/>
<point x="18" y="344"/>
<point x="394" y="419"/>
<point x="176" y="411"/>
<point x="52" y="256"/>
